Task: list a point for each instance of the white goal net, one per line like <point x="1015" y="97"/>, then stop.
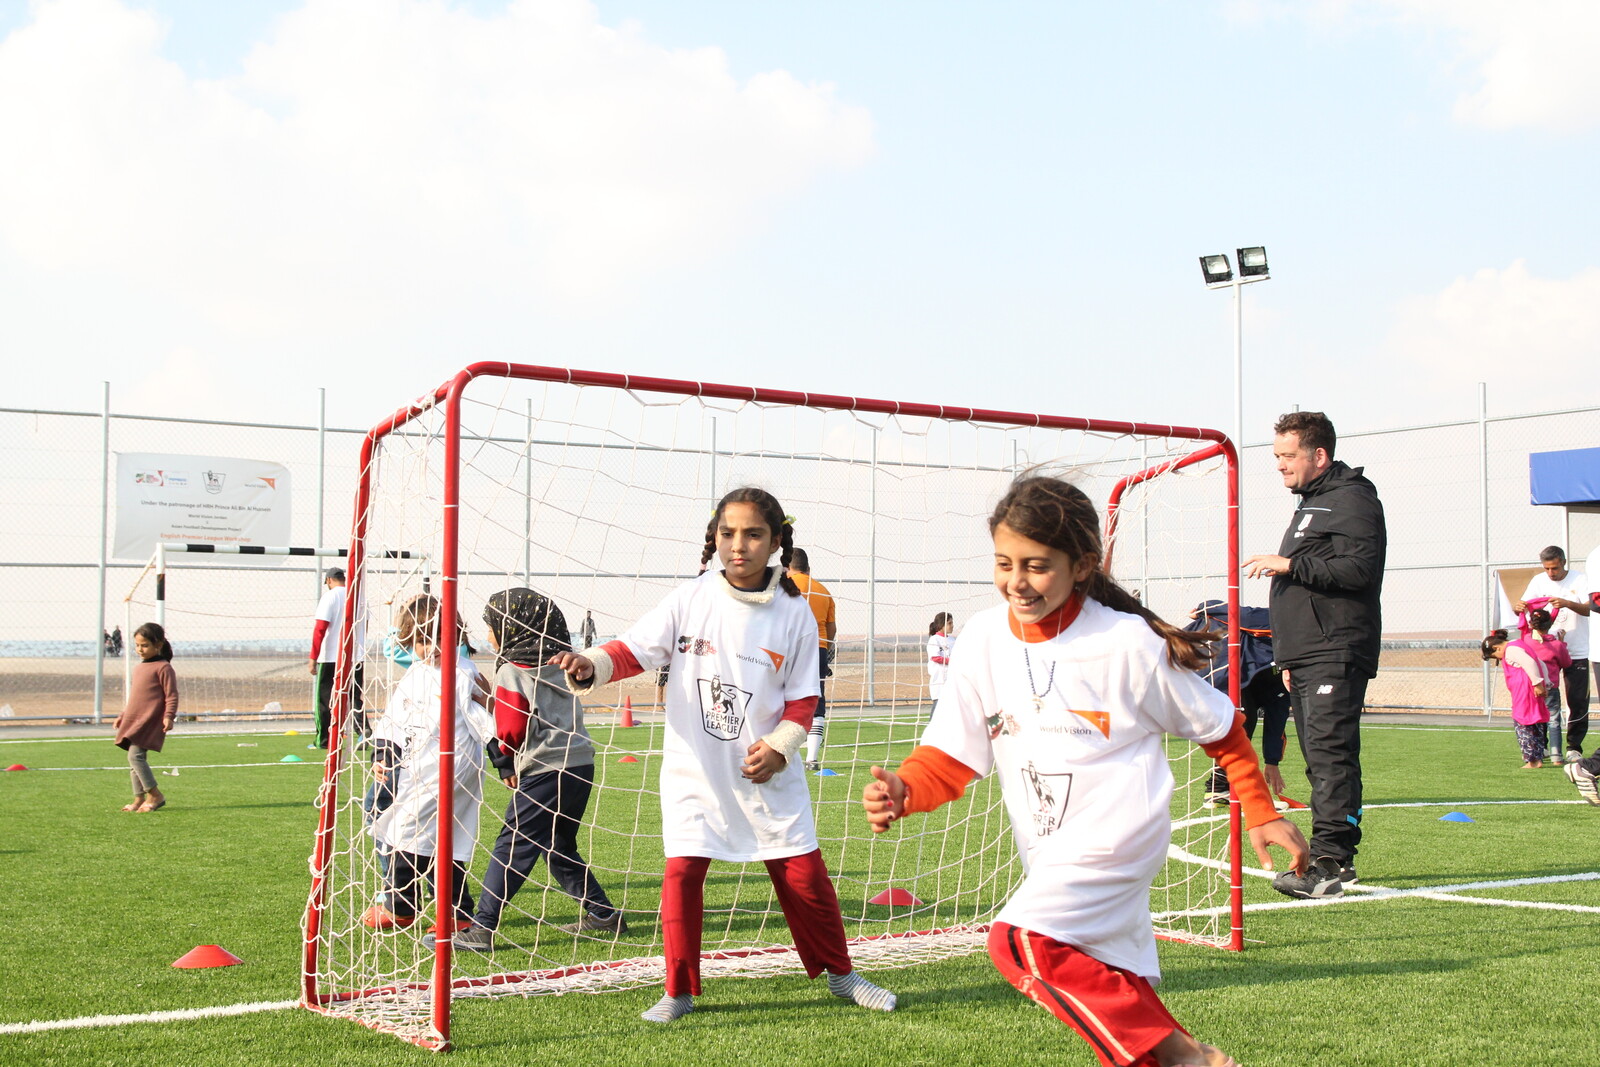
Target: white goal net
<point x="595" y="491"/>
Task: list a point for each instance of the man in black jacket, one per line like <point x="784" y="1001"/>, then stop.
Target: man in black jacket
<point x="1326" y="627"/>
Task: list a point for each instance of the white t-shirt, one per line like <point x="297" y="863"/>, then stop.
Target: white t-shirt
<point x="735" y="663"/>
<point x="411" y="823"/>
<point x="330" y="609"/>
<point x="1575" y="586"/>
<point x="940" y="645"/>
<point x="1074" y="728"/>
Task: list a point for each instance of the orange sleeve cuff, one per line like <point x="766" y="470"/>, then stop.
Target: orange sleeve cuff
<point x="932" y="778"/>
<point x="1237" y="758"/>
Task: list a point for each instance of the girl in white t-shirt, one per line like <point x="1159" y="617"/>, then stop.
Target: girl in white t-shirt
<point x="742" y="646"/>
<point x="941" y="643"/>
<point x="1065" y="691"/>
<point x="407" y="740"/>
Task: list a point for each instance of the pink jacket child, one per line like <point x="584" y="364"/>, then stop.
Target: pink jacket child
<point x="1526" y="679"/>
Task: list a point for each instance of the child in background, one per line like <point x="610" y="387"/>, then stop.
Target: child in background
<point x="1526" y="680"/>
<point x="940" y="645"/>
<point x="743" y="648"/>
<point x="407" y="831"/>
<point x="151" y="710"/>
<point x="1551" y="652"/>
<point x="545" y="757"/>
<point x="1066" y="691"/>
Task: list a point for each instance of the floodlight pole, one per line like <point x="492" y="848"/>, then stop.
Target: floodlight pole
<point x="1236" y="284"/>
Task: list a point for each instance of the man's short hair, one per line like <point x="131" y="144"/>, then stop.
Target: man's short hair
<point x="1313" y="429"/>
<point x="799" y="561"/>
<point x="1552" y="554"/>
<point x="334" y="574"/>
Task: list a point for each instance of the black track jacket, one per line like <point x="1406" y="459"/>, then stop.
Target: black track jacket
<point x="1326" y="608"/>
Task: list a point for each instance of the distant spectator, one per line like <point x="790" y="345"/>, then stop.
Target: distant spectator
<point x="148" y="717"/>
<point x="327" y="634"/>
<point x="1565" y="593"/>
<point x="941" y="643"/>
<point x="820" y="601"/>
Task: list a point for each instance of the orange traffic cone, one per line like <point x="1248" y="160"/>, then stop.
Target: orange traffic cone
<point x="207" y="956"/>
<point x="627" y="711"/>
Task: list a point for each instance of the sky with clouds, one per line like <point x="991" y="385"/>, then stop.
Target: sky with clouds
<point x="220" y="207"/>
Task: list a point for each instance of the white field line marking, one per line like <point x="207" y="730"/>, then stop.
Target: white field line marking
<point x="103" y="739"/>
<point x="1437" y="892"/>
<point x="185" y="1015"/>
<point x="159" y="767"/>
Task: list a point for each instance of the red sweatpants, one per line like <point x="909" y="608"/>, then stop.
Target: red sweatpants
<point x="805" y="892"/>
<point x="1114" y="1010"/>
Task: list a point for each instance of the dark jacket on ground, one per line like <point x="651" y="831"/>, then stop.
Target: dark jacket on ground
<point x="1325" y="610"/>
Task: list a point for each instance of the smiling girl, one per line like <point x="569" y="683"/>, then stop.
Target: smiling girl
<point x="1065" y="691"/>
<point x="742" y="646"/>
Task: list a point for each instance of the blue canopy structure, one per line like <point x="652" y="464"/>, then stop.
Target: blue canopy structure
<point x="1571" y="476"/>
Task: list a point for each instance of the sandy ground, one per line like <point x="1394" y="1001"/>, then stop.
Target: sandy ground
<point x="240" y="688"/>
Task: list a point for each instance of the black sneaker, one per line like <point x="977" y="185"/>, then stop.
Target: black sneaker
<point x="477" y="938"/>
<point x="589" y="924"/>
<point x="1588" y="789"/>
<point x="1323" y="880"/>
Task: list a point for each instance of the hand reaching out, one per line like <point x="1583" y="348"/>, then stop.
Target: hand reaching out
<point x="884" y="799"/>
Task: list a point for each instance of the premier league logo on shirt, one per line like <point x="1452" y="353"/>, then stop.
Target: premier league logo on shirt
<point x="722" y="708"/>
<point x="1050" y="793"/>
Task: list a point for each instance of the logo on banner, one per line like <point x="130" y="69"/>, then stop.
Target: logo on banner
<point x="722" y="708"/>
<point x="147" y="478"/>
<point x="214" y="482"/>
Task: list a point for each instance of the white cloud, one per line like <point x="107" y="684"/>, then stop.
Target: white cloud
<point x="1534" y="340"/>
<point x="389" y="159"/>
<point x="1529" y="63"/>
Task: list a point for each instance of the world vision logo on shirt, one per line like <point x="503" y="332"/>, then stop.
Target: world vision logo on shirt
<point x="773" y="660"/>
<point x="1100" y="720"/>
<point x="777" y="659"/>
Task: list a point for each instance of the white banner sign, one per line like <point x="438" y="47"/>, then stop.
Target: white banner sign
<point x="198" y="500"/>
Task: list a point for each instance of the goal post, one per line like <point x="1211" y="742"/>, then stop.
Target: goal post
<point x="594" y="489"/>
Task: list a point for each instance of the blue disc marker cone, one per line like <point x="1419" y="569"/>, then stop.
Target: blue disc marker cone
<point x="827" y="772"/>
<point x="1456" y="816"/>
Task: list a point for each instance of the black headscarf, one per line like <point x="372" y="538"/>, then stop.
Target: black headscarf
<point x="527" y="626"/>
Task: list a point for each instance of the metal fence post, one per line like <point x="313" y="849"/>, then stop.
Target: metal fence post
<point x="1483" y="508"/>
<point x="105" y="526"/>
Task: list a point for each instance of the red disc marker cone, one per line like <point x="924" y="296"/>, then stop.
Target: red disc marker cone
<point x="896" y="897"/>
<point x="16" y="767"/>
<point x="629" y="759"/>
<point x="207" y="956"/>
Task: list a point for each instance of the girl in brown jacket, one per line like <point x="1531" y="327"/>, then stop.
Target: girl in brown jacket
<point x="152" y="708"/>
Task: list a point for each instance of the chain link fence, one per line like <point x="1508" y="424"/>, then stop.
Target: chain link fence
<point x="1456" y="497"/>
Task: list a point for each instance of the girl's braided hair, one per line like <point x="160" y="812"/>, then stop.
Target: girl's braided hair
<point x="771" y="513"/>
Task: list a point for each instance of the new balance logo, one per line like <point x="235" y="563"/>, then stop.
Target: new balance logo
<point x="1324" y="690"/>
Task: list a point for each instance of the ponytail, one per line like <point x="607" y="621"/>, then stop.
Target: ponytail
<point x="1185" y="648"/>
<point x="1495" y="639"/>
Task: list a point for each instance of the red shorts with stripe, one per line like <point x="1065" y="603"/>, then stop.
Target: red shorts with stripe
<point x="1114" y="1010"/>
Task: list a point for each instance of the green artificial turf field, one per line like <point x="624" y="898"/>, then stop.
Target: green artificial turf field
<point x="100" y="904"/>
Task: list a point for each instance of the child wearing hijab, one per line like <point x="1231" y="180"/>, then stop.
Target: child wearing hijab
<point x="545" y="757"/>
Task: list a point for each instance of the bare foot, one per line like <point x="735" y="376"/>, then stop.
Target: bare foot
<point x="153" y="801"/>
<point x="1533" y="765"/>
<point x="138" y="801"/>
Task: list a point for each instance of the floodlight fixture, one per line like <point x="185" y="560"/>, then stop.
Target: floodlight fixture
<point x="1253" y="262"/>
<point x="1217" y="270"/>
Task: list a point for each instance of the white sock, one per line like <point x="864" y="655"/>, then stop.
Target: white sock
<point x="854" y="987"/>
<point x="669" y="1008"/>
<point x="813" y="748"/>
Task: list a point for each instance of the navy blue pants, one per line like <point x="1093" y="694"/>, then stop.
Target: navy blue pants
<point x="542" y="820"/>
<point x="411" y="886"/>
<point x="1327" y="700"/>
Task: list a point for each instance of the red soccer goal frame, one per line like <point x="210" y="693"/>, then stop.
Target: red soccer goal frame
<point x="449" y="394"/>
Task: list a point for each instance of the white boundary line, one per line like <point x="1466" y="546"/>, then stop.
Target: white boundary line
<point x="186" y="1015"/>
